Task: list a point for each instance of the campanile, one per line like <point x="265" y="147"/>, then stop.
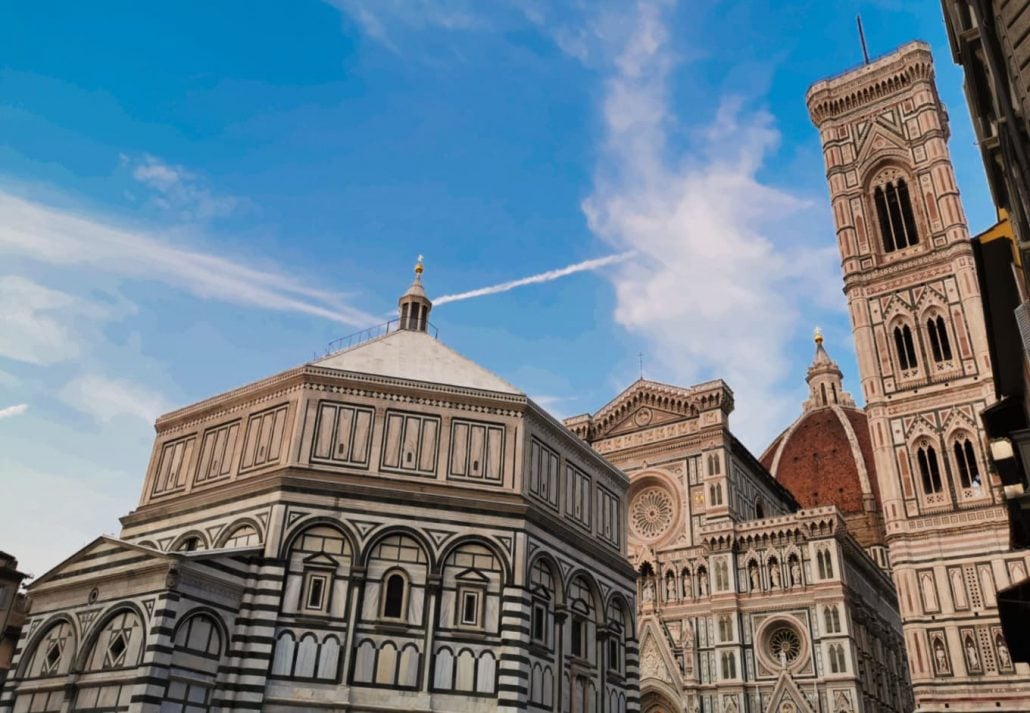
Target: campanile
<point x="925" y="371"/>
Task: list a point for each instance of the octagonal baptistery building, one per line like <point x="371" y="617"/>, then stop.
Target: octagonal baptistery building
<point x="390" y="527"/>
<point x="826" y="456"/>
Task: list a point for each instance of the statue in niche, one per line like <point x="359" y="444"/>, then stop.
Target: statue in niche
<point x="1004" y="659"/>
<point x="972" y="659"/>
<point x="752" y="573"/>
<point x="774" y="574"/>
<point x="686" y="635"/>
<point x="670" y="589"/>
<point x="940" y="656"/>
<point x="648" y="591"/>
<point x="702" y="583"/>
<point x="795" y="573"/>
<point x="688" y="589"/>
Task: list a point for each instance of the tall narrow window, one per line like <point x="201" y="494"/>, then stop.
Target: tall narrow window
<point x="939" y="343"/>
<point x="576" y="637"/>
<point x="905" y="347"/>
<point x="965" y="460"/>
<point x="929" y="469"/>
<point x="908" y="218"/>
<point x="885" y="222"/>
<point x="822" y="387"/>
<point x="393" y="602"/>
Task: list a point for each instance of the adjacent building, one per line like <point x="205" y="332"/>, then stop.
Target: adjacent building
<point x="747" y="602"/>
<point x="13" y="606"/>
<point x="391" y="527"/>
<point x="924" y="361"/>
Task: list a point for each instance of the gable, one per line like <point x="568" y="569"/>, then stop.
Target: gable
<point x="656" y="661"/>
<point x="105" y="554"/>
<point x="646" y="404"/>
<point x="787" y="697"/>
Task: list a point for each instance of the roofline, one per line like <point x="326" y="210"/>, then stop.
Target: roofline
<point x="577" y="442"/>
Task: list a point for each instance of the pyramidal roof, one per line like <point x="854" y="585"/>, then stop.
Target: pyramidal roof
<point x="416" y="356"/>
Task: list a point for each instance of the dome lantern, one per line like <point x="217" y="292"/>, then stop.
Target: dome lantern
<point x="414" y="305"/>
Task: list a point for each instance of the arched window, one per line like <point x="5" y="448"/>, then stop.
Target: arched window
<point x="394" y="591"/>
<point x="965" y="461"/>
<point x="940" y="346"/>
<point x="822" y="388"/>
<point x="759" y="509"/>
<point x="894" y="213"/>
<point x="725" y="629"/>
<point x="715" y="494"/>
<point x="729" y="665"/>
<point x="54" y="652"/>
<point x="618" y="624"/>
<point x="825" y="563"/>
<point x="929" y="469"/>
<point x="905" y="347"/>
<point x="837" y="662"/>
<point x="832" y="619"/>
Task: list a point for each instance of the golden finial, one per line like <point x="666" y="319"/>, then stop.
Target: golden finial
<point x="818" y="335"/>
<point x="419" y="267"/>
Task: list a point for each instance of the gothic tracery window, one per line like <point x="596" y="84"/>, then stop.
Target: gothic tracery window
<point x="894" y="213"/>
<point x="929" y="469"/>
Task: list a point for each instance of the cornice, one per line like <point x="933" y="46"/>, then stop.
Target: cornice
<point x="864" y="276"/>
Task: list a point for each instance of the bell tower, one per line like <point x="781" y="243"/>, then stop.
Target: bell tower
<point x="917" y="321"/>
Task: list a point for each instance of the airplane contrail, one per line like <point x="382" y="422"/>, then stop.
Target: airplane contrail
<point x="593" y="264"/>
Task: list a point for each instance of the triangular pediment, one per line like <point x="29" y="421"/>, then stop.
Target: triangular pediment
<point x="882" y="139"/>
<point x="648" y="403"/>
<point x="656" y="660"/>
<point x="102" y="551"/>
<point x="787" y="697"/>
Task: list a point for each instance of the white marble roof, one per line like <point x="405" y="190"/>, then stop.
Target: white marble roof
<point x="408" y="354"/>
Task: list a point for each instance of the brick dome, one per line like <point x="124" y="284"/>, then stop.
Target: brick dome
<point x="826" y="456"/>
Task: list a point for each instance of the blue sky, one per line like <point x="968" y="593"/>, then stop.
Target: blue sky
<point x="197" y="195"/>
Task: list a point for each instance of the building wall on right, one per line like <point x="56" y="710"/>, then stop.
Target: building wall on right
<point x="991" y="40"/>
<point x="924" y="361"/>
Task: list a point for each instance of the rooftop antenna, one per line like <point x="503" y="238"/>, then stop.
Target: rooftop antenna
<point x="861" y="38"/>
<point x="640" y="355"/>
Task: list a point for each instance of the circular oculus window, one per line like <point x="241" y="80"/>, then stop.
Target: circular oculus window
<point x="651" y="513"/>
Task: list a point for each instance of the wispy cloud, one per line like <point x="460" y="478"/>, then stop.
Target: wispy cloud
<point x="384" y="19"/>
<point x="61" y="237"/>
<point x="105" y="399"/>
<point x="15" y="410"/>
<point x="716" y="287"/>
<point x="39" y="325"/>
<point x="548" y="276"/>
<point x="174" y="188"/>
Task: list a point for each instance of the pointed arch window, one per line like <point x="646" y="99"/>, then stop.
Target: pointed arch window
<point x="905" y="347"/>
<point x="940" y="345"/>
<point x="895" y="216"/>
<point x="965" y="461"/>
<point x="929" y="469"/>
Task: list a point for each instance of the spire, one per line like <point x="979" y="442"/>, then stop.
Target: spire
<point x="414" y="304"/>
<point x="825" y="379"/>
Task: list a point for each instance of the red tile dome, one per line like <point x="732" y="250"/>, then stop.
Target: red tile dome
<point x="826" y="456"/>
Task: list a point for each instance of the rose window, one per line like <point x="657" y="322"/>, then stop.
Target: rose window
<point x="784" y="645"/>
<point x="651" y="513"/>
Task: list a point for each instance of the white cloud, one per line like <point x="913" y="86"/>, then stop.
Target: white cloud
<point x="177" y="189"/>
<point x="105" y="399"/>
<point x="39" y="325"/>
<point x="61" y="237"/>
<point x="548" y="276"/>
<point x="716" y="287"/>
<point x="382" y="20"/>
<point x="15" y="410"/>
